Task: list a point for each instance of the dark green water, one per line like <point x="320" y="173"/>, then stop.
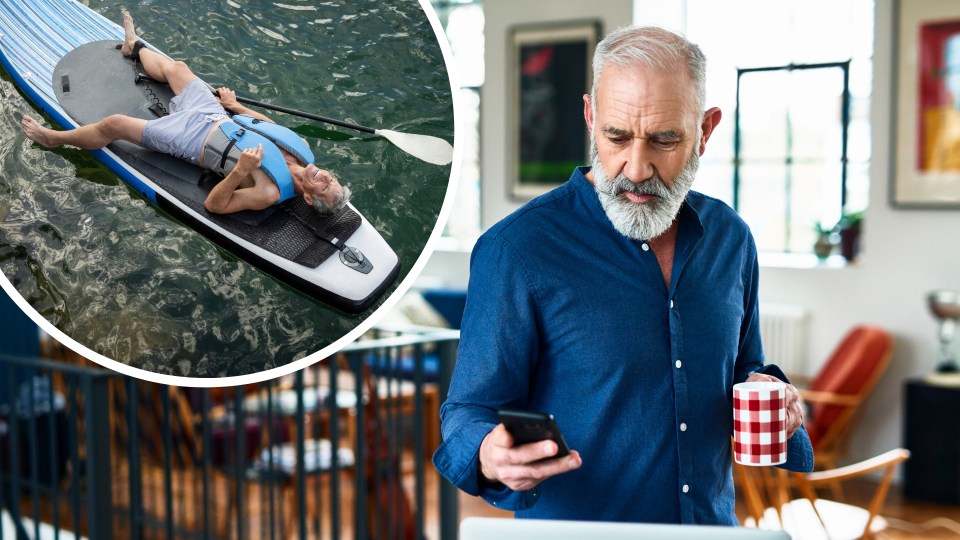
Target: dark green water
<point x="124" y="279"/>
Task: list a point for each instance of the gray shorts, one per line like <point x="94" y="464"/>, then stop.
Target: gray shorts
<point x="182" y="134"/>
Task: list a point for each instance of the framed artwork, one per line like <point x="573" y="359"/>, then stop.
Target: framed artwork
<point x="926" y="124"/>
<point x="549" y="74"/>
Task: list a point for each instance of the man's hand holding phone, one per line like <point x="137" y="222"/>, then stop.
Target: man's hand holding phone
<point x="520" y="467"/>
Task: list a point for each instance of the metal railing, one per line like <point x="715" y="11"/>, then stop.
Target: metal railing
<point x="54" y="448"/>
<point x="337" y="450"/>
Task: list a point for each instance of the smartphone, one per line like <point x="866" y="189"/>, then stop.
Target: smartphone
<point x="531" y="426"/>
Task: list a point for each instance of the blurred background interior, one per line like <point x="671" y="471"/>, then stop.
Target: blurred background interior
<point x="825" y="109"/>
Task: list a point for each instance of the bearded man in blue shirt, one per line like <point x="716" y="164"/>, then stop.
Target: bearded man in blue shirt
<point x="623" y="303"/>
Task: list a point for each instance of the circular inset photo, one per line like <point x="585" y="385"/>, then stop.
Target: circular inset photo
<point x="194" y="191"/>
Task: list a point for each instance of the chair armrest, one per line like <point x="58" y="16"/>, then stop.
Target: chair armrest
<point x="893" y="457"/>
<point x="798" y="380"/>
<point x="829" y="398"/>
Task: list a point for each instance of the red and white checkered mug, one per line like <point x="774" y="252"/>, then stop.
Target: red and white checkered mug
<point x="760" y="423"/>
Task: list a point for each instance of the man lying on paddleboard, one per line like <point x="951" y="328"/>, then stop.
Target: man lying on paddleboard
<point x="199" y="131"/>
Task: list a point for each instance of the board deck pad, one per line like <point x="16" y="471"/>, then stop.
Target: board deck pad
<point x="101" y="82"/>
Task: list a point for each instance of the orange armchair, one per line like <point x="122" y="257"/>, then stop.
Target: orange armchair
<point x="841" y="386"/>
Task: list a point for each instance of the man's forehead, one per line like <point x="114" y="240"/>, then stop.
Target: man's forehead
<point x="664" y="119"/>
<point x="627" y="95"/>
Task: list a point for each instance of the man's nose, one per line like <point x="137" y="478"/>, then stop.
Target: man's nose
<point x="638" y="166"/>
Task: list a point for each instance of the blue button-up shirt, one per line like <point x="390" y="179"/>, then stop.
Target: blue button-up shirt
<point x="567" y="316"/>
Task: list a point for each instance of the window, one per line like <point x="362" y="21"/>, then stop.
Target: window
<point x="463" y="23"/>
<point x="785" y="113"/>
<point x="789" y="166"/>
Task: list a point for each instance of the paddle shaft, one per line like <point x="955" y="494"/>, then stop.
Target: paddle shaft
<point x="423" y="147"/>
<point x="323" y="119"/>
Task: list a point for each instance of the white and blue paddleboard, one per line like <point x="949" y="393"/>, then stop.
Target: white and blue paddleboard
<point x="66" y="58"/>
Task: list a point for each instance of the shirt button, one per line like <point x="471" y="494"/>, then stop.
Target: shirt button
<point x="645" y="246"/>
<point x="683" y="427"/>
<point x="686" y="488"/>
<point x="671" y="304"/>
<point x="679" y="364"/>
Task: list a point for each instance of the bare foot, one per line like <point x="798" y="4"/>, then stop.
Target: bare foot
<point x="130" y="38"/>
<point x="35" y="132"/>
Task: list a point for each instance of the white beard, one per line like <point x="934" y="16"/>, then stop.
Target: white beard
<point x="650" y="219"/>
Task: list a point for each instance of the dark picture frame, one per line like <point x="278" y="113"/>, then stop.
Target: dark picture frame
<point x="549" y="72"/>
<point x="924" y="156"/>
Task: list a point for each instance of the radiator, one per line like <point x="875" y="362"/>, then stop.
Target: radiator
<point x="783" y="329"/>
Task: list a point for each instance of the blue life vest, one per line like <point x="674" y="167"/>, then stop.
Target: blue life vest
<point x="247" y="132"/>
<point x="279" y="135"/>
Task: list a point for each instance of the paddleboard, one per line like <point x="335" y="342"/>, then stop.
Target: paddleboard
<point x="65" y="57"/>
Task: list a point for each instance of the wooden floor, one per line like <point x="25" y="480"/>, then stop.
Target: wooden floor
<point x="897" y="507"/>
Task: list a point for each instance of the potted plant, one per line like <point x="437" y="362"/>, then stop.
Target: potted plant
<point x="850" y="225"/>
<point x="824" y="245"/>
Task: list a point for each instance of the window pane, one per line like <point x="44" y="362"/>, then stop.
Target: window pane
<point x="464" y="220"/>
<point x="463" y="23"/>
<point x="858" y="187"/>
<point x="858" y="140"/>
<point x="814" y="198"/>
<point x="715" y="178"/>
<point x="763" y="203"/>
<point x="465" y="33"/>
<point x="743" y="33"/>
<point x="763" y="115"/>
<point x="816" y="100"/>
<point x="720" y="144"/>
<point x="825" y="30"/>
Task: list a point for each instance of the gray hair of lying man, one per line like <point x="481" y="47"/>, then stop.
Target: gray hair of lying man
<point x="325" y="208"/>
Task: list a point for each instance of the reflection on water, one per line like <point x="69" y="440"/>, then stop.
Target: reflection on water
<point x="123" y="278"/>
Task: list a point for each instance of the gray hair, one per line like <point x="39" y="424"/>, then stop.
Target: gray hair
<point x="340" y="200"/>
<point x="655" y="48"/>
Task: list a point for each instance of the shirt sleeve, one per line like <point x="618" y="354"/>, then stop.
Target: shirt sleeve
<point x="499" y="346"/>
<point x="750" y="360"/>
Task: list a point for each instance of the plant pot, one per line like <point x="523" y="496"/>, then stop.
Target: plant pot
<point x="823" y="247"/>
<point x="850" y="242"/>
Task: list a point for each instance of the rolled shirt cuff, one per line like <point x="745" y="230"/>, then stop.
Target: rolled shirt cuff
<point x="799" y="449"/>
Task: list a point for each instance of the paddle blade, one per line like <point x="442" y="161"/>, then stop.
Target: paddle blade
<point x="430" y="149"/>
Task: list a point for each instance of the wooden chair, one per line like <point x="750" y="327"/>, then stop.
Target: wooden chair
<point x="766" y="493"/>
<point x="836" y="393"/>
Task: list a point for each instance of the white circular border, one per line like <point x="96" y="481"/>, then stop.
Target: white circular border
<point x="347" y="338"/>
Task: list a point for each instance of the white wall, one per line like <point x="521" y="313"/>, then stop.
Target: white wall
<point x="500" y="15"/>
<point x="905" y="254"/>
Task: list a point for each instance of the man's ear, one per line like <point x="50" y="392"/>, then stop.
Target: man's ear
<point x="710" y="120"/>
<point x="308" y="198"/>
<point x="588" y="112"/>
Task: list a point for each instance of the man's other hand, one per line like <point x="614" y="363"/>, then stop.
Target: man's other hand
<point x="250" y="159"/>
<point x="227" y="98"/>
<point x="501" y="461"/>
<point x="794" y="412"/>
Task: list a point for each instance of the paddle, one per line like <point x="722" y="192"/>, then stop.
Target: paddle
<point x="430" y="149"/>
